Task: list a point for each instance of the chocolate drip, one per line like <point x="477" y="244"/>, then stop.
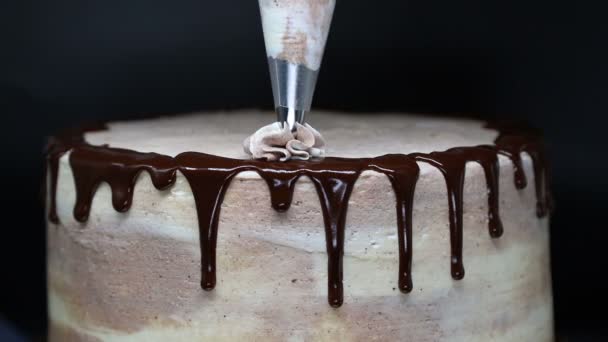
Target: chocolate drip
<point x="487" y="158"/>
<point x="119" y="168"/>
<point x="540" y="179"/>
<point x="55" y="149"/>
<point x="334" y="178"/>
<point x="513" y="141"/>
<point x="489" y="162"/>
<point x="209" y="178"/>
<point x="452" y="165"/>
<point x="402" y="171"/>
<point x="334" y="188"/>
<point x="515" y="156"/>
<point x="281" y="185"/>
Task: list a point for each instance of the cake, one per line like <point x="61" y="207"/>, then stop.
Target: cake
<point x="412" y="228"/>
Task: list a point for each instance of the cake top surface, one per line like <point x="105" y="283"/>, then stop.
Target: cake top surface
<point x="350" y="135"/>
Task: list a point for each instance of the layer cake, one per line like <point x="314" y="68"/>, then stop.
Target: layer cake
<point x="413" y="228"/>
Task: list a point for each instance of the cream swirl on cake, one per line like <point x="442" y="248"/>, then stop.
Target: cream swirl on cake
<point x="276" y="142"/>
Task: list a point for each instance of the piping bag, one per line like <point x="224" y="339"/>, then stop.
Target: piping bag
<point x="295" y="33"/>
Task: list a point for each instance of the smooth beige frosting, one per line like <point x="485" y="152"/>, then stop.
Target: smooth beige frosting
<point x="349" y="135"/>
<point x="277" y="142"/>
<point x="135" y="276"/>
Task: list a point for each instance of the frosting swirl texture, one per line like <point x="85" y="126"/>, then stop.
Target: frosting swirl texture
<point x="276" y="142"/>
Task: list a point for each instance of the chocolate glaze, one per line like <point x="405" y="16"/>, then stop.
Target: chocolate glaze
<point x="92" y="165"/>
<point x="402" y="171"/>
<point x="452" y="164"/>
<point x="209" y="177"/>
<point x="56" y="147"/>
<point x="511" y="142"/>
<point x="334" y="178"/>
<point x="334" y="185"/>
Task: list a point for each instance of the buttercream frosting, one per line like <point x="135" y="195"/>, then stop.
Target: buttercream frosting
<point x="276" y="142"/>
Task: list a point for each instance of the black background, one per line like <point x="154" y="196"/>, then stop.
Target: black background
<point x="64" y="62"/>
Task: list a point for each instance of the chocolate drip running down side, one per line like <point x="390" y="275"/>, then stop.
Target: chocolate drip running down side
<point x="452" y="164"/>
<point x="56" y="147"/>
<point x="403" y="172"/>
<point x="512" y="142"/>
<point x="119" y="168"/>
<point x="209" y="177"/>
<point x="334" y="178"/>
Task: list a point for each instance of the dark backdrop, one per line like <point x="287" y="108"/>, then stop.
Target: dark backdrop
<point x="63" y="62"/>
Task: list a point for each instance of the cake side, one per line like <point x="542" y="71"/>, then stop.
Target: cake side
<point x="121" y="276"/>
